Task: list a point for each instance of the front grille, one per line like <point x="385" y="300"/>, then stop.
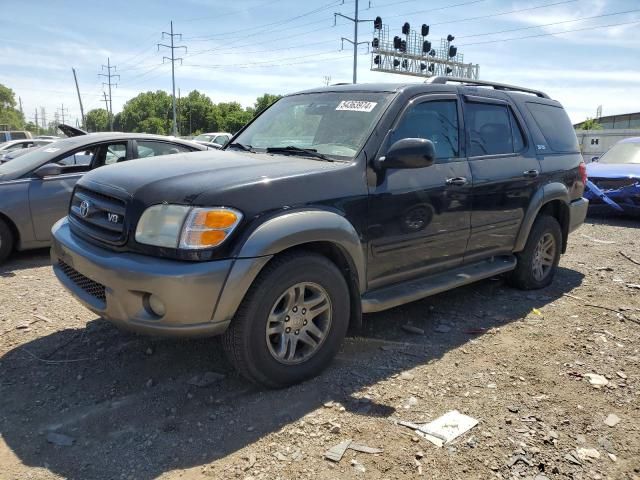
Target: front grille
<point x="94" y="289"/>
<point x="98" y="215"/>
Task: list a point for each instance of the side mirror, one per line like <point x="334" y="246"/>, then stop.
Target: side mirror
<point x="595" y="159"/>
<point x="409" y="153"/>
<point x="48" y="170"/>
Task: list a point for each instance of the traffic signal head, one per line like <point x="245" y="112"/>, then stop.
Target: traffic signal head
<point x="453" y="51"/>
<point x="376" y="59"/>
<point x="432" y="67"/>
<point x="405" y="28"/>
<point x="432" y="53"/>
<point x="396" y="62"/>
<point x="448" y="70"/>
<point x="396" y="42"/>
<point x="404" y="63"/>
<point x="426" y="46"/>
<point x="403" y="46"/>
<point x="377" y="23"/>
<point x="425" y="30"/>
<point x="375" y="43"/>
<point x="450" y="38"/>
<point x="423" y="66"/>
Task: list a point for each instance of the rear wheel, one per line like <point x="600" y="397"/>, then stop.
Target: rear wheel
<point x="6" y="241"/>
<point x="538" y="262"/>
<point x="291" y="322"/>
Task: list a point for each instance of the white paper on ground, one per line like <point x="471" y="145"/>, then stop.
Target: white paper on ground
<point x="447" y="427"/>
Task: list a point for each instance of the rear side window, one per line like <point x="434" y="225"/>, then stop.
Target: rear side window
<point x="18" y="135"/>
<point x="150" y="148"/>
<point x="493" y="130"/>
<point x="555" y="126"/>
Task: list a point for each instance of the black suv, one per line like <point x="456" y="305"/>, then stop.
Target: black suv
<point x="331" y="203"/>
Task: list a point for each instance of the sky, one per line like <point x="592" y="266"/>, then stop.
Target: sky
<point x="584" y="53"/>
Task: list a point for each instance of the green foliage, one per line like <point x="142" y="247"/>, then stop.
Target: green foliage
<point x="264" y="101"/>
<point x="590" y="124"/>
<point x="149" y="110"/>
<point x="9" y="115"/>
<point x="97" y="120"/>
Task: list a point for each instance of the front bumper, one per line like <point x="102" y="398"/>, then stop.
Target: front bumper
<point x="117" y="286"/>
<point x="577" y="213"/>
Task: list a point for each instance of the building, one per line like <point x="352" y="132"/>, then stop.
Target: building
<point x="593" y="143"/>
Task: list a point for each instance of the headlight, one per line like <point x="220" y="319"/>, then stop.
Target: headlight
<point x="178" y="226"/>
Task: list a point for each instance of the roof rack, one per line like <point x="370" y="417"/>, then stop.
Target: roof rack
<point x="497" y="86"/>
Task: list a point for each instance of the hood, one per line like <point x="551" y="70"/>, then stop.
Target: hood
<point x="194" y="177"/>
<point x="613" y="170"/>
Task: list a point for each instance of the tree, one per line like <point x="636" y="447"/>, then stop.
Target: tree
<point x="195" y="111"/>
<point x="153" y="106"/>
<point x="9" y="115"/>
<point x="265" y="101"/>
<point x="590" y="124"/>
<point x="229" y="117"/>
<point x="97" y="120"/>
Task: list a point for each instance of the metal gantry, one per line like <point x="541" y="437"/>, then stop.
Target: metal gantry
<point x="413" y="54"/>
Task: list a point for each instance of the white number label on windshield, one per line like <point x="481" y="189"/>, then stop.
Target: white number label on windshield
<point x="356" y="105"/>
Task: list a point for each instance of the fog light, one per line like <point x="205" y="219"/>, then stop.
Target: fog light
<point x="155" y="305"/>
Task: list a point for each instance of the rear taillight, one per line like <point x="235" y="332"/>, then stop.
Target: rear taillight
<point x="582" y="168"/>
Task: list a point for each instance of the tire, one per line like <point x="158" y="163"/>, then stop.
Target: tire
<point x="254" y="352"/>
<point x="527" y="276"/>
<point x="6" y="241"/>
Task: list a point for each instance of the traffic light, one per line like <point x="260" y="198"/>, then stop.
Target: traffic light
<point x="423" y="66"/>
<point x="377" y="23"/>
<point x="452" y="51"/>
<point x="396" y="42"/>
<point x="396" y="62"/>
<point x="405" y="63"/>
<point x="425" y="30"/>
<point x="448" y="70"/>
<point x="375" y="43"/>
<point x="406" y="28"/>
<point x="403" y="46"/>
<point x="376" y="59"/>
<point x="426" y="46"/>
<point x="432" y="67"/>
<point x="450" y="38"/>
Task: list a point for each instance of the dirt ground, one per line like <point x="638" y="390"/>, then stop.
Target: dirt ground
<point x="80" y="399"/>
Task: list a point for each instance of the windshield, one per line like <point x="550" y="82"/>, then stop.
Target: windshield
<point x="622" y="153"/>
<point x="204" y="138"/>
<point x="331" y="123"/>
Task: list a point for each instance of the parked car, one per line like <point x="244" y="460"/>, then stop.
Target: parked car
<point x="332" y="202"/>
<point x="7" y="149"/>
<point x="35" y="188"/>
<point x="7" y="136"/>
<point x="215" y="140"/>
<point x="48" y="137"/>
<point x="614" y="179"/>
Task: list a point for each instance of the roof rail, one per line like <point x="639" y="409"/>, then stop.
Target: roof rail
<point x="441" y="80"/>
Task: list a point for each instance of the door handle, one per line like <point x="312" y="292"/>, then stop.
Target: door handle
<point x="459" y="181"/>
<point x="531" y="173"/>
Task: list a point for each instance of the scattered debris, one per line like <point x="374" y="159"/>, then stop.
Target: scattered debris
<point x="358" y="447"/>
<point x="412" y="329"/>
<point x="358" y="466"/>
<point x="596" y="380"/>
<point x="622" y="375"/>
<point x="206" y="379"/>
<point x="632" y="260"/>
<point x="60" y="439"/>
<point x="519" y="458"/>
<point x="587" y="453"/>
<point x="612" y="420"/>
<point x="513" y="409"/>
<point x="572" y="458"/>
<point x="336" y="452"/>
<point x="633" y="285"/>
<point x="443" y="429"/>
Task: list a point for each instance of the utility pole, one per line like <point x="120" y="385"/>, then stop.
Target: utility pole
<point x="36" y="121"/>
<point x="109" y="76"/>
<point x="327" y="80"/>
<point x="20" y="100"/>
<point x="62" y="109"/>
<point x="354" y="42"/>
<point x="179" y="124"/>
<point x="173" y="61"/>
<point x="75" y="78"/>
<point x="43" y="118"/>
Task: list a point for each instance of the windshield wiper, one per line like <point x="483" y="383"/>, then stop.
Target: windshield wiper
<point x="242" y="146"/>
<point x="307" y="152"/>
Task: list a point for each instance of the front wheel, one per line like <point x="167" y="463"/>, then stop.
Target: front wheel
<point x="292" y="321"/>
<point x="6" y="241"/>
<point x="538" y="262"/>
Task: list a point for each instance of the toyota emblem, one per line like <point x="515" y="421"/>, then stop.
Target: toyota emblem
<point x="84" y="208"/>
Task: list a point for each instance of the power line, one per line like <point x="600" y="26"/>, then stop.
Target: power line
<point x="353" y="42"/>
<point x="548" y="24"/>
<point x="173" y="60"/>
<point x="595" y="27"/>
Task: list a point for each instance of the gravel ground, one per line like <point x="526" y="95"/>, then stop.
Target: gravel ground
<point x="80" y="399"/>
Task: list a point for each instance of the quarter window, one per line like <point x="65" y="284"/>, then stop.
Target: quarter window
<point x="493" y="130"/>
<point x="555" y="126"/>
<point x="436" y="121"/>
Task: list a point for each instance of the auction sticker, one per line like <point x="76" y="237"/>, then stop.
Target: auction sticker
<point x="356" y="105"/>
